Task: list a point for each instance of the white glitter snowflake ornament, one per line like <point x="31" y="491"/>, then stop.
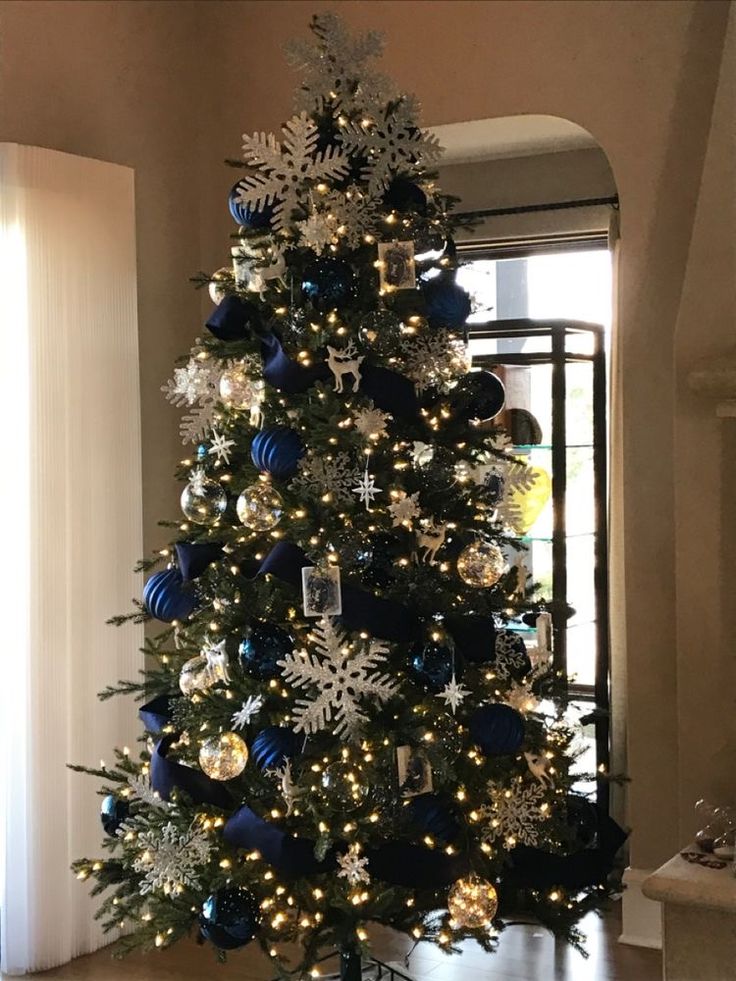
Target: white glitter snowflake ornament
<point x="453" y="694"/>
<point x="341" y="675"/>
<point x="286" y="172"/>
<point x="334" y="474"/>
<point x="371" y="422"/>
<point x="353" y="867"/>
<point x="195" y="386"/>
<point x="404" y="508"/>
<point x="247" y="712"/>
<point x="170" y="860"/>
<point x="318" y="232"/>
<point x="514" y="813"/>
<point x="140" y="787"/>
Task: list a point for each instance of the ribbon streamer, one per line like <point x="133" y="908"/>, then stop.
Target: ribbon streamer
<point x="167" y="776"/>
<point x="381" y="617"/>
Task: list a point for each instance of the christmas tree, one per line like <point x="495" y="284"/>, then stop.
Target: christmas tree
<point x="341" y="726"/>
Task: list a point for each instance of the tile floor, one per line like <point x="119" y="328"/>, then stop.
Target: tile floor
<point x="526" y="954"/>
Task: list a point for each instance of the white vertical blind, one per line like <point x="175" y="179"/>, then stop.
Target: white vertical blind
<point x="70" y="514"/>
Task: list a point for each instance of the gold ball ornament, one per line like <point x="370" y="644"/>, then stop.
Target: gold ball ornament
<point x="472" y="902"/>
<point x="481" y="564"/>
<point x="223" y="757"/>
<point x="260" y="507"/>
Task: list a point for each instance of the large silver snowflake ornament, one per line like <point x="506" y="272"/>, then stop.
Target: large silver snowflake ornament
<point x="333" y="475"/>
<point x="285" y="173"/>
<point x="342" y="676"/>
<point x="195" y="386"/>
<point x="170" y="860"/>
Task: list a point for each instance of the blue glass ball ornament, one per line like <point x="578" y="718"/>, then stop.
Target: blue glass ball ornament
<point x="431" y="663"/>
<point x="277" y="450"/>
<point x="112" y="814"/>
<point x="435" y="815"/>
<point x="167" y="598"/>
<point x="328" y="283"/>
<point x="264" y="645"/>
<point x="447" y="304"/>
<point x="498" y="729"/>
<point x="273" y="746"/>
<point x="247" y="217"/>
<point x="511" y="657"/>
<point x="404" y="195"/>
<point x="478" y="395"/>
<point x="230" y="917"/>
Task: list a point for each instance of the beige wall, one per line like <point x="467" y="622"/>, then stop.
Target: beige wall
<point x="168" y="87"/>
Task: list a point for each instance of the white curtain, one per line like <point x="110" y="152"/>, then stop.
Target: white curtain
<point x="70" y="513"/>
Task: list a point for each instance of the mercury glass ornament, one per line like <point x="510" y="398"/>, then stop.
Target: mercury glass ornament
<point x="238" y="389"/>
<point x="195" y="675"/>
<point x="223" y="275"/>
<point x="481" y="564"/>
<point x="343" y="783"/>
<point x="203" y="501"/>
<point x="472" y="902"/>
<point x="223" y="757"/>
<point x="260" y="507"/>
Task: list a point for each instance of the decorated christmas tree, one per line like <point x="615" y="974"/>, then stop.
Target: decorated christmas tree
<point x="341" y="726"/>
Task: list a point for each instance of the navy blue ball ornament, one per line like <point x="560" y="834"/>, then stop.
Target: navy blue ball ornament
<point x="277" y="450"/>
<point x="447" y="304"/>
<point x="167" y="598"/>
<point x="436" y="816"/>
<point x="230" y="918"/>
<point x="112" y="814"/>
<point x="328" y="283"/>
<point x="498" y="729"/>
<point x="433" y="662"/>
<point x="264" y="645"/>
<point x="247" y="217"/>
<point x="273" y="746"/>
<point x="404" y="195"/>
<point x="478" y="395"/>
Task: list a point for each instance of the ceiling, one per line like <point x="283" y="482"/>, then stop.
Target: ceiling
<point x="510" y="136"/>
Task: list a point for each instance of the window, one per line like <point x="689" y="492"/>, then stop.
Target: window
<point x="532" y="323"/>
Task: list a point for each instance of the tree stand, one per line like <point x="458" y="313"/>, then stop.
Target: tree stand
<point x="354" y="968"/>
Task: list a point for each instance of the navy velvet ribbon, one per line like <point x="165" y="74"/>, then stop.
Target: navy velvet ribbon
<point x="157" y="713"/>
<point x="360" y="610"/>
<point x="388" y="390"/>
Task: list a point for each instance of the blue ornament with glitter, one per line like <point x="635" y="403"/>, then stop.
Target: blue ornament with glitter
<point x="264" y="645"/>
<point x="112" y="814"/>
<point x="328" y="283"/>
<point x="447" y="304"/>
<point x="277" y="450"/>
<point x="248" y="217"/>
<point x="498" y="729"/>
<point x="435" y="815"/>
<point x="167" y="598"/>
<point x="230" y="917"/>
<point x="273" y="746"/>
<point x="201" y="452"/>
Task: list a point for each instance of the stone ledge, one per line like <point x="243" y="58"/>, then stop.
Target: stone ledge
<point x="687" y="884"/>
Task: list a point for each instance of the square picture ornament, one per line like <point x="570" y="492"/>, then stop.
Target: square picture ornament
<point x="321" y="592"/>
<point x="396" y="266"/>
<point x="415" y="772"/>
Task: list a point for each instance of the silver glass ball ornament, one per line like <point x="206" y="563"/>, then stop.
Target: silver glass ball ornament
<point x="203" y="501"/>
<point x="260" y="507"/>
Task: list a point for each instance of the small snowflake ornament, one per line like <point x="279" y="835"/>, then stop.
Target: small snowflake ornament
<point x="341" y="676"/>
<point x="197" y="479"/>
<point x="453" y="694"/>
<point x="247" y="712"/>
<point x="422" y="453"/>
<point x="317" y="232"/>
<point x="353" y="867"/>
<point x="514" y="813"/>
<point x="367" y="489"/>
<point x="334" y="474"/>
<point x="371" y="422"/>
<point x="221" y="446"/>
<point x="404" y="508"/>
<point x="140" y="787"/>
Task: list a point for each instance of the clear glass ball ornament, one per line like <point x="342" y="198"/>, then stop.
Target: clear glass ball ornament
<point x="223" y="276"/>
<point x="260" y="507"/>
<point x="238" y="389"/>
<point x="343" y="782"/>
<point x="472" y="902"/>
<point x="203" y="501"/>
<point x="223" y="757"/>
<point x="481" y="564"/>
<point x="195" y="676"/>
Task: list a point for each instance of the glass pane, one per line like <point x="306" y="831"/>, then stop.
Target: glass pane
<point x="580" y="578"/>
<point x="579" y="404"/>
<point x="581" y="645"/>
<point x="580" y="495"/>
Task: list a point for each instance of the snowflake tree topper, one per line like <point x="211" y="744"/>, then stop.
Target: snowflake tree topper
<point x="342" y="674"/>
